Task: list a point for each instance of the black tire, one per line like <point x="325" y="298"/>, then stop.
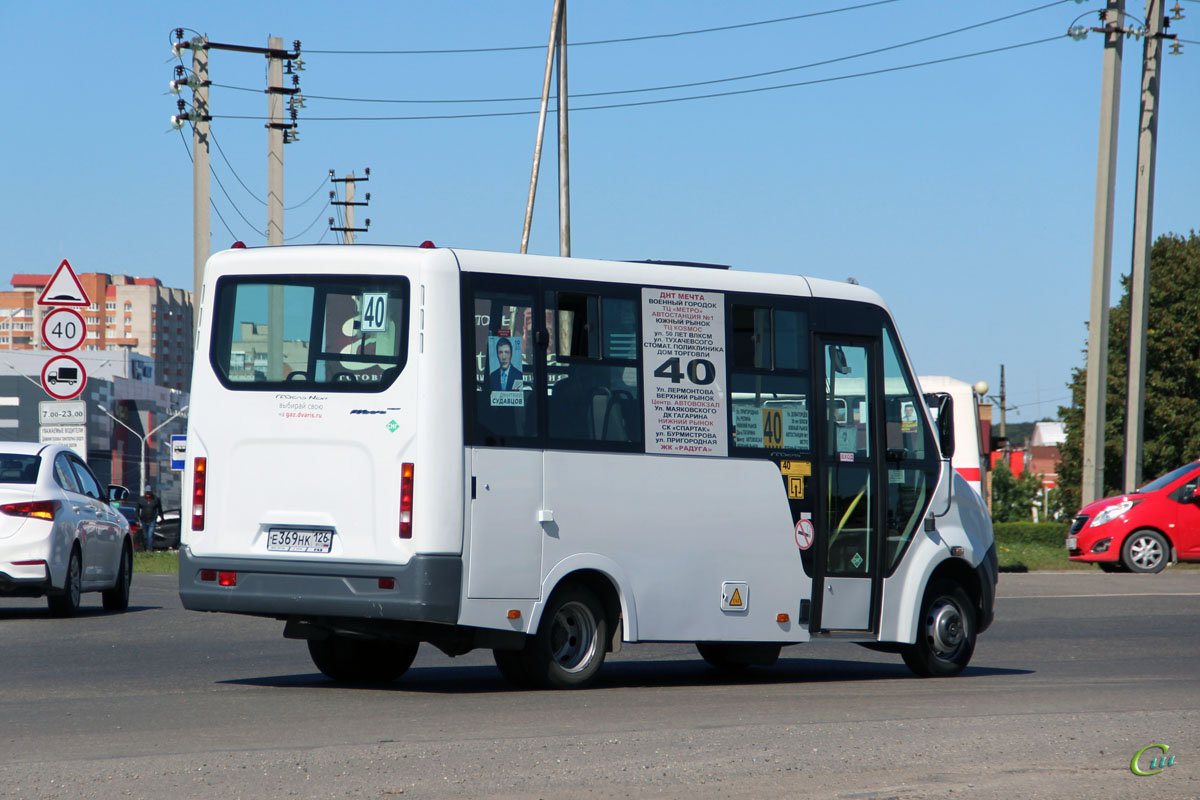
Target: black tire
<point x="66" y="602"/>
<point x="117" y="598"/>
<point x="511" y="664"/>
<point x="1111" y="566"/>
<point x="568" y="649"/>
<point x="729" y="657"/>
<point x="945" y="634"/>
<point x="351" y="659"/>
<point x="1145" y="551"/>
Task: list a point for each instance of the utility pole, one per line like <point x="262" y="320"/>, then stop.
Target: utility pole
<point x="1097" y="352"/>
<point x="349" y="203"/>
<point x="1143" y="219"/>
<point x="274" y="141"/>
<point x="541" y="128"/>
<point x="201" y="213"/>
<point x="564" y="148"/>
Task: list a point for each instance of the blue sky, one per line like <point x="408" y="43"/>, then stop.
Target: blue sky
<point x="962" y="191"/>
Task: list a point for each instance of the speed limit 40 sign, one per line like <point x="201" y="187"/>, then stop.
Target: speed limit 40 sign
<point x="63" y="329"/>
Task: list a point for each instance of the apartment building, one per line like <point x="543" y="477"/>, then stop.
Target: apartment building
<point x="136" y="314"/>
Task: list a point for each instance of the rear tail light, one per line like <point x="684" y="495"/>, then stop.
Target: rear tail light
<point x="226" y="578"/>
<point x="406" y="500"/>
<point x="42" y="509"/>
<point x="199" y="477"/>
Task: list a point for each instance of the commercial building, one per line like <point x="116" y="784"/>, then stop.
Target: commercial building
<point x="138" y="315"/>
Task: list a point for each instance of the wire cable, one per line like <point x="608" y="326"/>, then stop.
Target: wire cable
<point x="233" y="236"/>
<point x="599" y="41"/>
<point x="675" y="99"/>
<point x="221" y="150"/>
<point x="320" y="214"/>
<point x="692" y="84"/>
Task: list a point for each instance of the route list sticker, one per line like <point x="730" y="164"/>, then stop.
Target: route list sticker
<point x="684" y="371"/>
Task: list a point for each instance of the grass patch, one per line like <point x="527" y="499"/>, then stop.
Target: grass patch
<point x="1031" y="546"/>
<point x="160" y="561"/>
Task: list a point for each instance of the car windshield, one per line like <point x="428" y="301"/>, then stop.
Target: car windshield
<point x="19" y="468"/>
<point x="1168" y="479"/>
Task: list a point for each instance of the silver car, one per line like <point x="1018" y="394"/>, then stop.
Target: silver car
<point x="59" y="537"/>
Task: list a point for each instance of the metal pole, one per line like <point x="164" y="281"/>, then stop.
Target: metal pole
<point x="1097" y="352"/>
<point x="201" y="214"/>
<point x="564" y="145"/>
<point x="541" y="129"/>
<point x="1143" y="219"/>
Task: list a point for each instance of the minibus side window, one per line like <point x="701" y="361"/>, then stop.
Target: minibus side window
<point x="503" y="374"/>
<point x="770" y="381"/>
<point x="592" y="396"/>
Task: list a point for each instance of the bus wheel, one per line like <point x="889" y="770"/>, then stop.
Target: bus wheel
<point x="738" y="657"/>
<point x="350" y="659"/>
<point x="946" y="636"/>
<point x="568" y="649"/>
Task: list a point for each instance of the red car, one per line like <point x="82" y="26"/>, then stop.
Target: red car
<point x="1157" y="525"/>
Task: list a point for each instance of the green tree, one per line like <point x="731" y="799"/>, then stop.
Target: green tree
<point x="1172" y="395"/>
<point x="1012" y="497"/>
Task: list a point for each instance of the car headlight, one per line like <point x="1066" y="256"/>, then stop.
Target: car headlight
<point x="1112" y="512"/>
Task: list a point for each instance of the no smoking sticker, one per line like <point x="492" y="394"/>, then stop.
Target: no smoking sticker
<point x="804" y="534"/>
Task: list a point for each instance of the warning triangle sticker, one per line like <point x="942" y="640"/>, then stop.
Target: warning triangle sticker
<point x="64" y="289"/>
<point x="736" y="600"/>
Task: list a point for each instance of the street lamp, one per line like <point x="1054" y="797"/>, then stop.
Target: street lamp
<point x="142" y="439"/>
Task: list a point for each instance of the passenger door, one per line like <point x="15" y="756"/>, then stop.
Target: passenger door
<point x="97" y="518"/>
<point x="506" y="462"/>
<point x="846" y="586"/>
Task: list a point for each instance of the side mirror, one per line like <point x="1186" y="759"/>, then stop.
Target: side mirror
<point x="117" y="493"/>
<point x="942" y="406"/>
<point x="1195" y="498"/>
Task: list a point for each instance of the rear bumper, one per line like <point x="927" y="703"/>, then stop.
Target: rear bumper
<point x="426" y="589"/>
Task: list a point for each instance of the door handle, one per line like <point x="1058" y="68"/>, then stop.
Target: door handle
<point x="545" y="515"/>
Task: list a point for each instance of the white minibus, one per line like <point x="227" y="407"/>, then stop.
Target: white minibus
<point x="553" y="457"/>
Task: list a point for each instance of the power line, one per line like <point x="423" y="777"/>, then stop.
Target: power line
<point x="221" y="150"/>
<point x="320" y="214"/>
<point x="599" y="41"/>
<point x="674" y="99"/>
<point x="233" y="236"/>
<point x="692" y="84"/>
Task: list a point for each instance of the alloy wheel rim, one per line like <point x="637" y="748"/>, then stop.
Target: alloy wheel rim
<point x="1146" y="552"/>
<point x="573" y="636"/>
<point x="73" y="581"/>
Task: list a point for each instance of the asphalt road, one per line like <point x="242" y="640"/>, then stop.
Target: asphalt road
<point x="1079" y="672"/>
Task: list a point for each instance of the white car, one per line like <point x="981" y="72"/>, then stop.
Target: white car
<point x="59" y="537"/>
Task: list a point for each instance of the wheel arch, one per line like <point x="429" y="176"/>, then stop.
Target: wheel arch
<point x="606" y="580"/>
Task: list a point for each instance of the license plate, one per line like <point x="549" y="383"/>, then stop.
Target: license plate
<point x="290" y="540"/>
<point x="1070" y="542"/>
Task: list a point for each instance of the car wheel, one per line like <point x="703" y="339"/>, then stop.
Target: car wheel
<point x="66" y="602"/>
<point x="352" y="659"/>
<point x="1145" y="551"/>
<point x="568" y="649"/>
<point x="738" y="657"/>
<point x="946" y="633"/>
<point x="117" y="598"/>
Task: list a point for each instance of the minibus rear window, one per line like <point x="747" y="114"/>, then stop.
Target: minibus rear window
<point x="343" y="333"/>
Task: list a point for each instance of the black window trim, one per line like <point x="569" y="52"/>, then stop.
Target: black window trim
<point x="221" y="342"/>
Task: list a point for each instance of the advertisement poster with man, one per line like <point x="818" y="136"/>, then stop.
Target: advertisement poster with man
<point x="506" y="381"/>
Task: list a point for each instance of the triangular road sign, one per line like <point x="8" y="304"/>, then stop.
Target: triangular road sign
<point x="64" y="289"/>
